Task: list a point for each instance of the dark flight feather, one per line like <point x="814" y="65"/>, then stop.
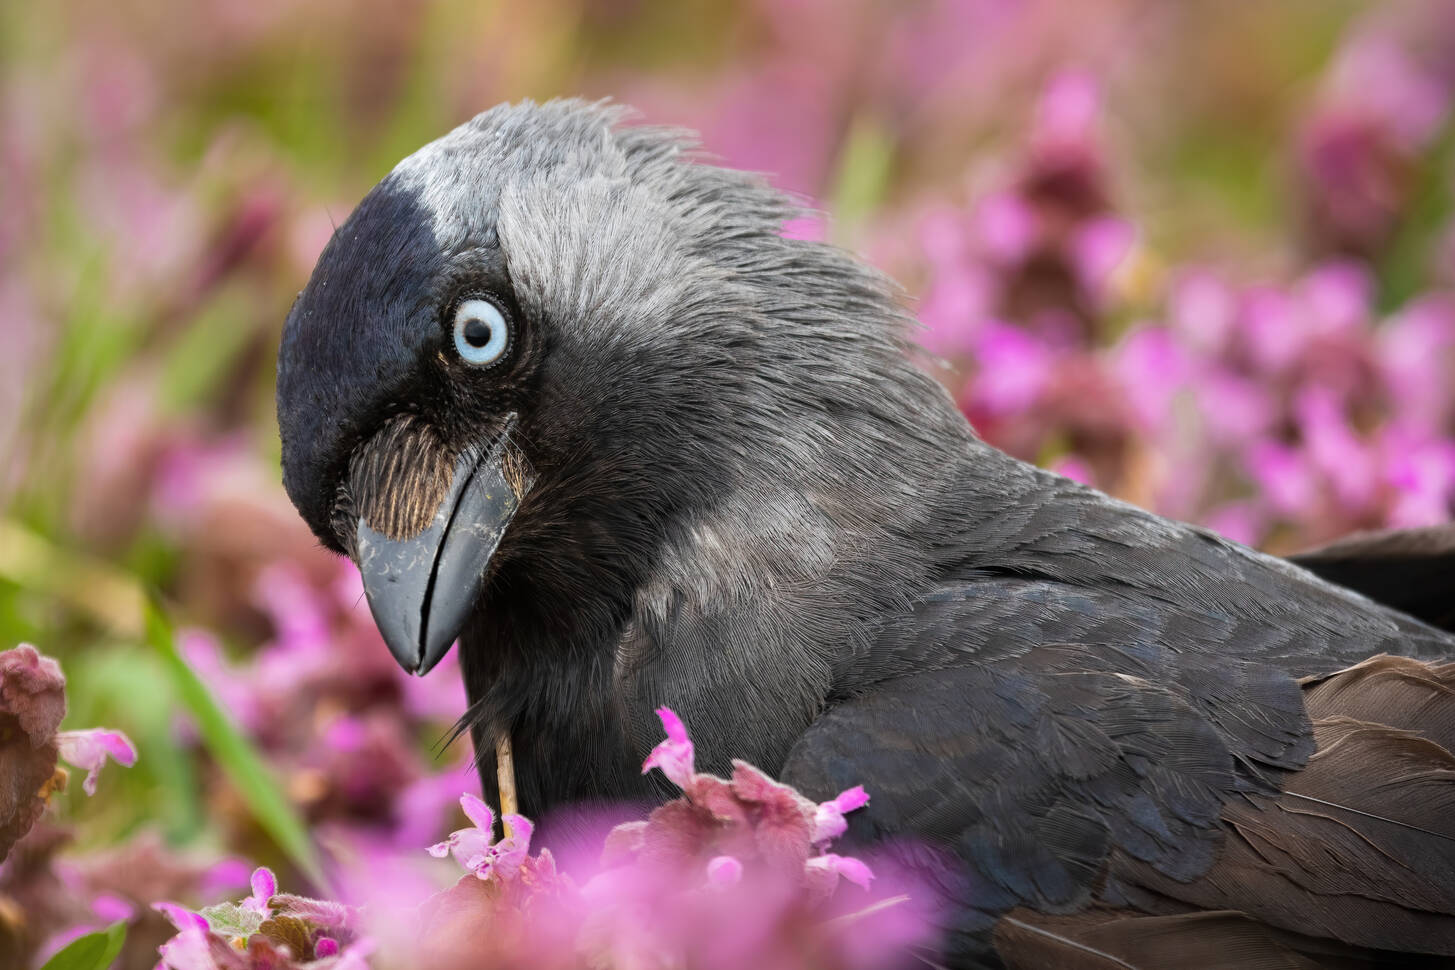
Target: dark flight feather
<point x="1411" y="570"/>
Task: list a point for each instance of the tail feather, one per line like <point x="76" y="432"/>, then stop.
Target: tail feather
<point x="1411" y="570"/>
<point x="1359" y="849"/>
<point x="1123" y="940"/>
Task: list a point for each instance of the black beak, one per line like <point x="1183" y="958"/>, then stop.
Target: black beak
<point x="421" y="589"/>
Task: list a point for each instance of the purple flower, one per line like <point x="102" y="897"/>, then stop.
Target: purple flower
<point x="89" y="750"/>
<point x="674" y="755"/>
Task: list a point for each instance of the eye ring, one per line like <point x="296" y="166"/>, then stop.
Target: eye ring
<point x="482" y="333"/>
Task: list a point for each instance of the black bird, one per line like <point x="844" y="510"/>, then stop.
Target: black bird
<point x="563" y="390"/>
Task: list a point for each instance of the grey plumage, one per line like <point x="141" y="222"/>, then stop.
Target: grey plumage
<point x="751" y="504"/>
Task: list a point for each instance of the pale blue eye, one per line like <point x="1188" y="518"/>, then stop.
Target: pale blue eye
<point x="481" y="333"/>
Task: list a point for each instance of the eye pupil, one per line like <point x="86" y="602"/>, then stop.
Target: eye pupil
<point x="477" y="333"/>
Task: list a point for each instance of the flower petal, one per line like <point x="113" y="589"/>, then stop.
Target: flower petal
<point x="478" y="812"/>
<point x="673" y="756"/>
<point x="725" y="870"/>
<point x="828" y="819"/>
<point x="89" y="750"/>
<point x="846" y="867"/>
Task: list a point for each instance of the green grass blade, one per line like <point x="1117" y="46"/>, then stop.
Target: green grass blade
<point x="94" y="951"/>
<point x="235" y="753"/>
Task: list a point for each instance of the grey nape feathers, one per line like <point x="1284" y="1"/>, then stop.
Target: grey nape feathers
<point x="563" y="390"/>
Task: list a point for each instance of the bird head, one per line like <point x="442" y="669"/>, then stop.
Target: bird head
<point x="550" y="338"/>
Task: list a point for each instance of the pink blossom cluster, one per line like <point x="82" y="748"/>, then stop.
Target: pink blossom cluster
<point x="1280" y="412"/>
<point x="733" y="873"/>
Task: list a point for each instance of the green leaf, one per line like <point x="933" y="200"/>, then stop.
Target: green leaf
<point x="231" y="919"/>
<point x="865" y="165"/>
<point x="234" y="753"/>
<point x="94" y="951"/>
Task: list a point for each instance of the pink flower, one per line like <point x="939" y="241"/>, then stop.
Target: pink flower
<point x="475" y="848"/>
<point x="191" y="948"/>
<point x="823" y="871"/>
<point x="1337" y="296"/>
<point x="1097" y="248"/>
<point x="1006" y="227"/>
<point x="1284" y="476"/>
<point x="724" y="870"/>
<point x="828" y="820"/>
<point x="1152" y="369"/>
<point x="265" y="887"/>
<point x="89" y="750"/>
<point x="1014" y="368"/>
<point x="1067" y="116"/>
<point x="1202" y="308"/>
<point x="674" y="755"/>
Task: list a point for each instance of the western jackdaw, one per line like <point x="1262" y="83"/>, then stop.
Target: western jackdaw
<point x="565" y="392"/>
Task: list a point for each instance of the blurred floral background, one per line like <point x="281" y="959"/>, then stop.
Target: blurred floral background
<point x="1199" y="254"/>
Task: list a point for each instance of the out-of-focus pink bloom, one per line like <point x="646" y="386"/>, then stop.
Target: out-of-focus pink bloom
<point x="1005" y="227"/>
<point x="297" y="611"/>
<point x="1240" y="521"/>
<point x="724" y="870"/>
<point x="1273" y="328"/>
<point x="203" y="654"/>
<point x="1376" y="80"/>
<point x="224" y="877"/>
<point x="825" y="870"/>
<point x="674" y="755"/>
<point x="421" y="807"/>
<point x="1067" y="115"/>
<point x="1013" y="368"/>
<point x="90" y="749"/>
<point x="1334" y="449"/>
<point x="1337" y="296"/>
<point x="944" y="238"/>
<point x="1421" y="470"/>
<point x="1235" y="409"/>
<point x="1202" y="308"/>
<point x="1152" y="368"/>
<point x="1377" y="112"/>
<point x="1415" y="351"/>
<point x="1074" y="468"/>
<point x="1284" y="477"/>
<point x="1097" y="248"/>
<point x="954" y="309"/>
